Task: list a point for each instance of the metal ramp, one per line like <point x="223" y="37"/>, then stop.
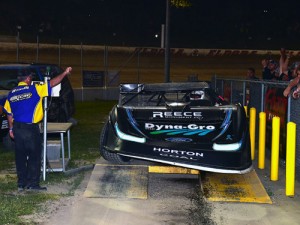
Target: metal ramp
<point x="234" y="188"/>
<point x="131" y="182"/>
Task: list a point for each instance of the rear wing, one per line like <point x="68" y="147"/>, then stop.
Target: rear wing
<point x="160" y="93"/>
<point x="163" y="87"/>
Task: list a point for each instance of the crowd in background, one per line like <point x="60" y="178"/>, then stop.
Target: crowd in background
<point x="280" y="71"/>
<point x="274" y="70"/>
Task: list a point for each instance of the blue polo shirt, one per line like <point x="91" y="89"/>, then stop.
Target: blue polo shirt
<point x="25" y="102"/>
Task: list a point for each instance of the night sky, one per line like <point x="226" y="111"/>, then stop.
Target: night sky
<point x="207" y="24"/>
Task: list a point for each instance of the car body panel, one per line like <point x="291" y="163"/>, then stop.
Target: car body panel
<point x="160" y="122"/>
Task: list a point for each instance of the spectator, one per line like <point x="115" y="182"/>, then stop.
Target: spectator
<point x="251" y="86"/>
<point x="270" y="70"/>
<point x="285" y="73"/>
<point x="293" y="83"/>
<point x="295" y="69"/>
<point x="251" y="74"/>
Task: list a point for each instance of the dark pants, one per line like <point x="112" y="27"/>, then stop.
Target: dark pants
<point x="28" y="153"/>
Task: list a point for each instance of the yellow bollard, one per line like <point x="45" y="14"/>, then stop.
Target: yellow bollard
<point x="246" y="110"/>
<point x="262" y="140"/>
<point x="275" y="148"/>
<point x="290" y="159"/>
<point x="252" y="131"/>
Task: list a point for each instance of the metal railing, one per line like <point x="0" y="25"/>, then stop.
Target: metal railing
<point x="265" y="96"/>
<point x="241" y="86"/>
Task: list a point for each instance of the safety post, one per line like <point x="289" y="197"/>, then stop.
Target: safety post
<point x="246" y="110"/>
<point x="290" y="159"/>
<point x="275" y="148"/>
<point x="252" y="131"/>
<point x="262" y="140"/>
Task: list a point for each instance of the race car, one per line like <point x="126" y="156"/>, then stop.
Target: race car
<point x="183" y="124"/>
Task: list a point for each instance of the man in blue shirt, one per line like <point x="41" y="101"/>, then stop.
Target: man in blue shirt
<point x="270" y="70"/>
<point x="24" y="112"/>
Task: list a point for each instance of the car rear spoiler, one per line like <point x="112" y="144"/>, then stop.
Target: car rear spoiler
<point x="162" y="87"/>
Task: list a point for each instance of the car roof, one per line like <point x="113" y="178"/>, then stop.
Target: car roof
<point x="14" y="65"/>
<point x="44" y="64"/>
<point x="26" y="64"/>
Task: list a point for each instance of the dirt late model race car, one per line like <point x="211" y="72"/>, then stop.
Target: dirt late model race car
<point x="182" y="124"/>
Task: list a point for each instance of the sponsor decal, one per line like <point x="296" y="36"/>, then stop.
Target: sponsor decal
<point x="178" y="115"/>
<point x="4" y="124"/>
<point x="179" y="139"/>
<point x="190" y="129"/>
<point x="208" y="52"/>
<point x="179" y="154"/>
<point x="20" y="97"/>
<point x="229" y="137"/>
<point x="20" y="89"/>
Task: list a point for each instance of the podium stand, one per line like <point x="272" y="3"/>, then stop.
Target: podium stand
<point x="62" y="129"/>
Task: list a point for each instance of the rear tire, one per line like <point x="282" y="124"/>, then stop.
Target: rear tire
<point x="110" y="156"/>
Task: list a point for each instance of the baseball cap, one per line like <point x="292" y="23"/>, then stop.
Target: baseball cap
<point x="23" y="73"/>
<point x="271" y="61"/>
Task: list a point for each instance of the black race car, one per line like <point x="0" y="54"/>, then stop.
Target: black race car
<point x="182" y="124"/>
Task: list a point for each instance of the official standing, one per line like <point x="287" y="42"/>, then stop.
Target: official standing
<point x="24" y="106"/>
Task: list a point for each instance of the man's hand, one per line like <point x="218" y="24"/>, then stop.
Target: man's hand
<point x="68" y="70"/>
<point x="56" y="80"/>
<point x="286" y="92"/>
<point x="11" y="134"/>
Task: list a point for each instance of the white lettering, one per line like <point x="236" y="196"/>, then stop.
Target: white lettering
<point x="168" y="114"/>
<point x="168" y="126"/>
<point x="192" y="126"/>
<point x="156" y="149"/>
<point x="188" y="114"/>
<point x="178" y="152"/>
<point x="151" y="126"/>
<point x="177" y="114"/>
<point x="177" y="126"/>
<point x="198" y="114"/>
<point x="174" y="151"/>
<point x="157" y="114"/>
<point x="20" y="89"/>
<point x="159" y="127"/>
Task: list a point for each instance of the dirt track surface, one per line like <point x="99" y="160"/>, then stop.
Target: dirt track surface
<point x="142" y="64"/>
<point x="171" y="200"/>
